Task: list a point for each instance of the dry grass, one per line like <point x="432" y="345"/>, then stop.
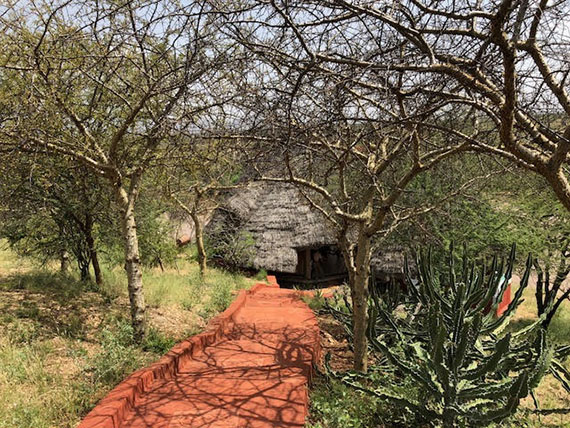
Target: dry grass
<point x="64" y="344"/>
<point x="549" y="393"/>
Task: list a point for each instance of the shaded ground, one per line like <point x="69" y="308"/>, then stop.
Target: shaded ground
<point x="255" y="377"/>
<point x="333" y="341"/>
<point x="64" y="344"/>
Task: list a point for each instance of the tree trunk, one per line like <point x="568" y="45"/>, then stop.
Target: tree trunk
<point x="199" y="230"/>
<point x="126" y="202"/>
<point x="92" y="251"/>
<point x="96" y="267"/>
<point x="64" y="261"/>
<point x="83" y="262"/>
<point x="359" y="292"/>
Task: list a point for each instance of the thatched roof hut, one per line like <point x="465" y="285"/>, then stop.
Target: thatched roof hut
<point x="388" y="263"/>
<point x="290" y="238"/>
<point x="280" y="221"/>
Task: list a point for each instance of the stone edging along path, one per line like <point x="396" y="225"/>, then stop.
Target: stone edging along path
<point x="250" y="368"/>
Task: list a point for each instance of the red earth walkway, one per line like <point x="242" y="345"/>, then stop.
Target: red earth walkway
<point x="254" y="376"/>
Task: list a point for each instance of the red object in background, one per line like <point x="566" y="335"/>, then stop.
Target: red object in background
<point x="183" y="240"/>
<point x="505" y="302"/>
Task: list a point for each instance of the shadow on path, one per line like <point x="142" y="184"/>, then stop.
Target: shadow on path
<point x="255" y="376"/>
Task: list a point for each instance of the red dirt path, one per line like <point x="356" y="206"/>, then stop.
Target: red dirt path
<point x="255" y="375"/>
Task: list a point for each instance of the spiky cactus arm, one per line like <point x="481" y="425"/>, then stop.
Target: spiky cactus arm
<point x="548" y="298"/>
<point x="469" y="372"/>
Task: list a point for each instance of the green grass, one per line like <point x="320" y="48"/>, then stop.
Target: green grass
<point x="181" y="286"/>
<point x="31" y="393"/>
<point x="65" y="343"/>
<point x="549" y="393"/>
<point x="335" y="405"/>
<point x="316" y="301"/>
<point x="9" y="263"/>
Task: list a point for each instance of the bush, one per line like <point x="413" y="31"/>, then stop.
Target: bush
<point x="229" y="246"/>
<point x="261" y="275"/>
<point x="118" y="357"/>
<point x="449" y="342"/>
<point x="157" y="342"/>
<point x="336" y="405"/>
<point x="221" y="297"/>
<point x="316" y="301"/>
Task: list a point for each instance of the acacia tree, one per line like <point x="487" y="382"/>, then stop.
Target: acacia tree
<point x="107" y="84"/>
<point x="501" y="65"/>
<point x="343" y="131"/>
<point x="423" y="77"/>
<point x="197" y="176"/>
<point x="51" y="209"/>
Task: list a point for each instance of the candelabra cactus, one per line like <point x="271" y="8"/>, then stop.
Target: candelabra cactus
<point x="446" y="339"/>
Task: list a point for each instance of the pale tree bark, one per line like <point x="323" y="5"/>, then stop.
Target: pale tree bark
<point x="201" y="249"/>
<point x="357" y="258"/>
<point x="64" y="261"/>
<point x="126" y="202"/>
<point x="194" y="213"/>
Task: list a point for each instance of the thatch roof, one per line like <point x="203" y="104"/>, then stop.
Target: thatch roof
<point x="279" y="219"/>
<point x="389" y="262"/>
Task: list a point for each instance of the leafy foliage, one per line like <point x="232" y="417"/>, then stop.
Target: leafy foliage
<point x="491" y="214"/>
<point x="229" y="246"/>
<point x="157" y="245"/>
<point x="51" y="208"/>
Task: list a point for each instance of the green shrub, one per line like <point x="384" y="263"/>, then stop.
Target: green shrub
<point x="157" y="342"/>
<point x="333" y="405"/>
<point x="450" y="343"/>
<point x="316" y="301"/>
<point x="230" y="246"/>
<point x="118" y="357"/>
<point x="261" y="275"/>
<point x="221" y="297"/>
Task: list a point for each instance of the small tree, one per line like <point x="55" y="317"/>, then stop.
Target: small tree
<point x="52" y="209"/>
<point x="339" y="128"/>
<point x="107" y="87"/>
<point x="198" y="175"/>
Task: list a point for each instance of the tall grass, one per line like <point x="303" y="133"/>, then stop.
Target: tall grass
<point x="10" y="263"/>
<point x="32" y="395"/>
<point x="54" y="366"/>
<point x="181" y="286"/>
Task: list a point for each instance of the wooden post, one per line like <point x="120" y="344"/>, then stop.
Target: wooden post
<point x="308" y="263"/>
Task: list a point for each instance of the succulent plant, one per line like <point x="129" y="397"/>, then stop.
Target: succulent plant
<point x="447" y="338"/>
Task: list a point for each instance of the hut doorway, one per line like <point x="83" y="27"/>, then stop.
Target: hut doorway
<point x="316" y="267"/>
